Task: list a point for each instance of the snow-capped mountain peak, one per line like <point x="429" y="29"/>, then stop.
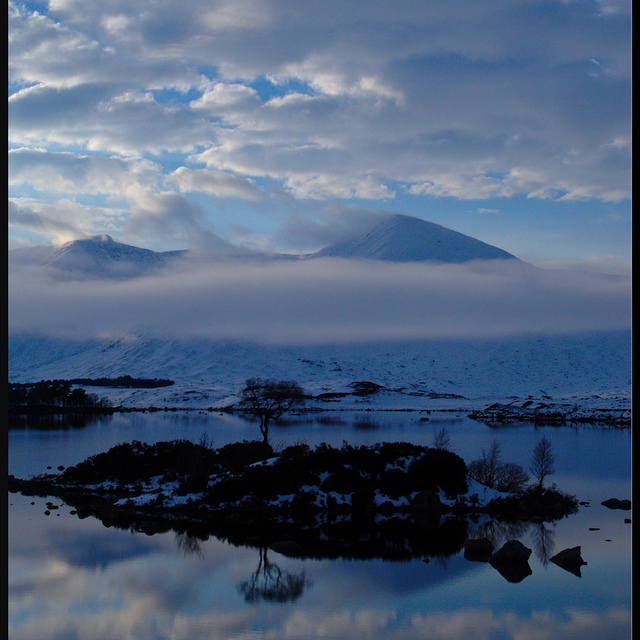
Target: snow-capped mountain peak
<point x="98" y="256"/>
<point x="397" y="238"/>
<point x="401" y="238"/>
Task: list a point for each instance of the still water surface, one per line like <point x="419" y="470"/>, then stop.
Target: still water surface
<point x="73" y="578"/>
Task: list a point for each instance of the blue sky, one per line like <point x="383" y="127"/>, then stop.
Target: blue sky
<point x="275" y="123"/>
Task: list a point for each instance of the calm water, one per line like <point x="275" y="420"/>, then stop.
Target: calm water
<point x="73" y="578"/>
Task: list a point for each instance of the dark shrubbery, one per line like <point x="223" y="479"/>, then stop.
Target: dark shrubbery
<point x="135" y="460"/>
<point x="344" y="480"/>
<point x="492" y="472"/>
<point x="234" y="472"/>
<point x="124" y="382"/>
<point x="238" y="455"/>
<point x="535" y="502"/>
<point x="439" y="468"/>
<point x="49" y="395"/>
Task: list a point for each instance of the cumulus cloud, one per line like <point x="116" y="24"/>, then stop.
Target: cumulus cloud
<point x="384" y="78"/>
<point x="328" y="301"/>
<point x="73" y="173"/>
<point x="349" y="101"/>
<point x="156" y="216"/>
<point x="218" y="183"/>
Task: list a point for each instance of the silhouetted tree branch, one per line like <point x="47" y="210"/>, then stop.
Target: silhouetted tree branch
<point x="542" y="461"/>
<point x="268" y="400"/>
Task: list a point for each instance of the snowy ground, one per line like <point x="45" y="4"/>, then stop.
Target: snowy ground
<point x="591" y="370"/>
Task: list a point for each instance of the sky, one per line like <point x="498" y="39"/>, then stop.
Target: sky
<point x="276" y="124"/>
<point x="283" y="126"/>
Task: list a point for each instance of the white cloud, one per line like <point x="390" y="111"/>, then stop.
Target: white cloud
<point x="64" y="219"/>
<point x="218" y="183"/>
<point x="72" y="173"/>
<point x="156" y="216"/>
<point x="429" y="100"/>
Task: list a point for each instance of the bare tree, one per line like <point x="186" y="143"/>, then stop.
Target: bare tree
<point x="268" y="400"/>
<point x="542" y="461"/>
<point x="503" y="476"/>
<point x="511" y="478"/>
<point x="486" y="469"/>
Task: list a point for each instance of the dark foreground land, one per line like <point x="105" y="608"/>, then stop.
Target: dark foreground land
<point x="394" y="500"/>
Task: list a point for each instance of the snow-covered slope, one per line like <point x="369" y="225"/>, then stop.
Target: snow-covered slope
<point x="401" y="238"/>
<point x="209" y="371"/>
<point x="593" y="367"/>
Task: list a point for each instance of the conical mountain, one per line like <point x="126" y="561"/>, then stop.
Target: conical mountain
<point x="401" y="238"/>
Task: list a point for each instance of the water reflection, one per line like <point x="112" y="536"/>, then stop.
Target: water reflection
<point x="54" y="421"/>
<point x="543" y="542"/>
<point x="270" y="583"/>
<point x="74" y="578"/>
<point x="189" y="544"/>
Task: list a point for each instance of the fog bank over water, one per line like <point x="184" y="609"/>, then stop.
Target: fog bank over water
<point x="325" y="301"/>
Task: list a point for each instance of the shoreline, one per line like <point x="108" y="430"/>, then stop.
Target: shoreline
<point x="493" y="414"/>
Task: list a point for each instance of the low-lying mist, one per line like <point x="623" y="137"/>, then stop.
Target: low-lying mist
<point x="325" y="301"/>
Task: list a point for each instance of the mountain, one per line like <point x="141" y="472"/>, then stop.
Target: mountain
<point x="95" y="257"/>
<point x="397" y="238"/>
<point x="401" y="238"/>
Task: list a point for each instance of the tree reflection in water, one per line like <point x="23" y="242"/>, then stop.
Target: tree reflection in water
<point x="270" y="583"/>
<point x="189" y="544"/>
<point x="541" y="536"/>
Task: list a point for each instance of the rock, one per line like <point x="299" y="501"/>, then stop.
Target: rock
<point x="570" y="560"/>
<point x="510" y="552"/>
<point x="512" y="561"/>
<point x="614" y="503"/>
<point x="478" y="550"/>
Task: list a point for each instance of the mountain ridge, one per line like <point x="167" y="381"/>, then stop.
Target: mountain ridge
<point x="397" y="238"/>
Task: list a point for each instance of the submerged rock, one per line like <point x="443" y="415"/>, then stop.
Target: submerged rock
<point x="615" y="503"/>
<point x="478" y="550"/>
<point x="511" y="552"/>
<point x="570" y="560"/>
<point x="512" y="561"/>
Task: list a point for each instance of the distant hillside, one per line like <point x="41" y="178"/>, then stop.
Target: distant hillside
<point x="401" y="238"/>
<point x="208" y="372"/>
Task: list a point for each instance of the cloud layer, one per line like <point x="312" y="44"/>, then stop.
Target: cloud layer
<point x="327" y="301"/>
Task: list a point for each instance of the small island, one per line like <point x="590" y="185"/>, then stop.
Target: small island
<point x="395" y="501"/>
